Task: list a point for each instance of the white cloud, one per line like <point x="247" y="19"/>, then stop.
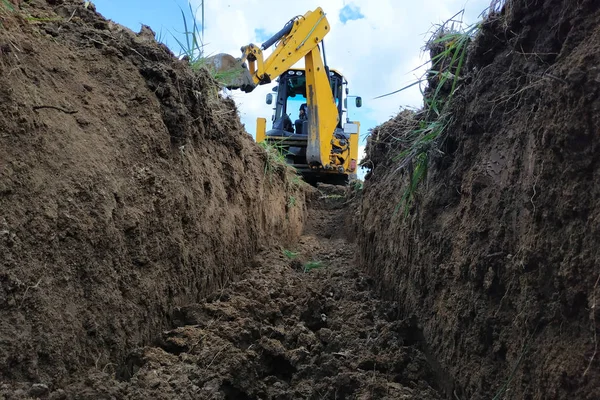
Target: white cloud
<point x="375" y="53"/>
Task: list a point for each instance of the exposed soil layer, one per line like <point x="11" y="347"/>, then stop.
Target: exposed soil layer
<point x="128" y="188"/>
<point x="284" y="331"/>
<point x="498" y="258"/>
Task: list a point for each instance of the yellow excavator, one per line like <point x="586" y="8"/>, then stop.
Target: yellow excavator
<point x="318" y="143"/>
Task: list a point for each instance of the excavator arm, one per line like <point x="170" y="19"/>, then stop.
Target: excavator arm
<point x="297" y="38"/>
<point x="300" y="38"/>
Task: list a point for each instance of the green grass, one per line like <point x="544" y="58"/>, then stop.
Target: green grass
<point x="5" y="4"/>
<point x="332" y="196"/>
<point x="357" y="185"/>
<point x="297" y="181"/>
<point x="292" y="201"/>
<point x="449" y="44"/>
<point x="36" y="19"/>
<point x="290" y="254"/>
<point x="309" y="266"/>
<point x="275" y="158"/>
<point x="192" y="45"/>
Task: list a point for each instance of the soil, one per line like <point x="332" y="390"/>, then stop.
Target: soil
<point x="282" y="332"/>
<point x="497" y="261"/>
<point x="150" y="249"/>
<point x="128" y="187"/>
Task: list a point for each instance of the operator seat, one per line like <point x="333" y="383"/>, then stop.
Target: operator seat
<point x="302" y="118"/>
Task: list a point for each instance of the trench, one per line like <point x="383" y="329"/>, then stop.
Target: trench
<point x="301" y="322"/>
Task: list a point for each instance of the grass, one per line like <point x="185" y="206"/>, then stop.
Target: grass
<point x="309" y="266"/>
<point x="504" y="388"/>
<point x="357" y="185"/>
<point x="192" y="45"/>
<point x="297" y="181"/>
<point x="275" y="158"/>
<point x="448" y="48"/>
<point x="290" y="254"/>
<point x="332" y="197"/>
<point x="292" y="201"/>
<point x="5" y="4"/>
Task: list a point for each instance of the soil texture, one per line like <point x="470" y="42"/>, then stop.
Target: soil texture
<point x="128" y="188"/>
<point x="301" y="324"/>
<point x="498" y="259"/>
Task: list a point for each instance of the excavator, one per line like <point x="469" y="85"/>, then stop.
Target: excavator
<point x="319" y="144"/>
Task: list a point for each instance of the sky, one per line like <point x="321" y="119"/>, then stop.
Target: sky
<point x="375" y="44"/>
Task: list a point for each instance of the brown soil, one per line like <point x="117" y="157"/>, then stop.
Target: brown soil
<point x="128" y="188"/>
<point x="139" y="228"/>
<point x="498" y="260"/>
<point x="281" y="332"/>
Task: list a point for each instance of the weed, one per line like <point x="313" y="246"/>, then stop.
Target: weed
<point x="226" y="76"/>
<point x="357" y="185"/>
<point x="7" y="5"/>
<point x="160" y="36"/>
<point x="332" y="196"/>
<point x="192" y="47"/>
<point x="292" y="201"/>
<point x="290" y="254"/>
<point x="275" y="158"/>
<point x="296" y="181"/>
<point x="448" y="49"/>
<point x="309" y="266"/>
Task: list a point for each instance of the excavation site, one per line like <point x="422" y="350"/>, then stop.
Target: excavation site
<point x="153" y="246"/>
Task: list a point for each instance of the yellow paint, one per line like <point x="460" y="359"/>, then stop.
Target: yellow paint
<point x="261" y="129"/>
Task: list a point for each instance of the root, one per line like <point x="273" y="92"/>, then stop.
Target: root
<point x="593" y="308"/>
<point x="27" y="290"/>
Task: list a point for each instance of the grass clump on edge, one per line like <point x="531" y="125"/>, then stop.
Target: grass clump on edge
<point x="274" y="159"/>
<point x="447" y="47"/>
<point x="192" y="46"/>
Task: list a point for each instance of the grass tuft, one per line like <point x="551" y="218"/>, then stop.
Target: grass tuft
<point x="309" y="266"/>
<point x="447" y="47"/>
<point x="275" y="158"/>
<point x="292" y="201"/>
<point x="192" y="46"/>
<point x="6" y="4"/>
<point x="290" y="254"/>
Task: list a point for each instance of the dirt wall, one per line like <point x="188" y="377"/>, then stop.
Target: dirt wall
<point x="498" y="258"/>
<point x="128" y="187"/>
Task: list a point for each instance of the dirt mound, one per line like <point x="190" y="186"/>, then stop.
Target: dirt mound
<point x="128" y="188"/>
<point x="498" y="258"/>
<point x="302" y="324"/>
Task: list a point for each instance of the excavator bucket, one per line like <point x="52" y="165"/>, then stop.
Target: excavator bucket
<point x="230" y="72"/>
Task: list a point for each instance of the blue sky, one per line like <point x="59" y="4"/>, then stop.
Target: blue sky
<point x="375" y="44"/>
<point x="350" y="12"/>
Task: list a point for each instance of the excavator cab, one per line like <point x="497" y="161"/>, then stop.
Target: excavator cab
<point x="290" y="128"/>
